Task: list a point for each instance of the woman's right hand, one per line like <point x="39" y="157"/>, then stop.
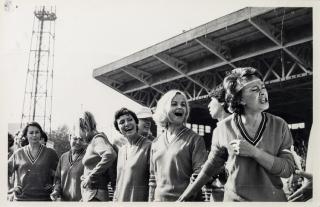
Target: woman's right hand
<point x="54" y="196"/>
<point x="17" y="191"/>
<point x="182" y="198"/>
<point x="185" y="196"/>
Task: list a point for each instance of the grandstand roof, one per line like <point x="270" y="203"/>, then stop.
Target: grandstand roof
<point x="276" y="41"/>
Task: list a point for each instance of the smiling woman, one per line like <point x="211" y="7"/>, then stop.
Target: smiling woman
<point x="133" y="159"/>
<point x="176" y="155"/>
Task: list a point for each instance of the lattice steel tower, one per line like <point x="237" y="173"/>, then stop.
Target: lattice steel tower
<point x="37" y="102"/>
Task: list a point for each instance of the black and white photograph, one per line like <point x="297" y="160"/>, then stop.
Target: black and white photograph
<point x="159" y="101"/>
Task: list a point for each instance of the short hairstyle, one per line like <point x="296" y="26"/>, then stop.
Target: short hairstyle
<point x="87" y="122"/>
<point x="219" y="93"/>
<point x="10" y="140"/>
<point x="34" y="124"/>
<point x="231" y="85"/>
<point x="121" y="112"/>
<point x="160" y="115"/>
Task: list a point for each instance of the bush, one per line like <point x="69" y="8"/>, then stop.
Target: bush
<point x="60" y="138"/>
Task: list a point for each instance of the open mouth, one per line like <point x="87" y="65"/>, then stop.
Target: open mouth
<point x="128" y="129"/>
<point x="178" y="114"/>
<point x="263" y="100"/>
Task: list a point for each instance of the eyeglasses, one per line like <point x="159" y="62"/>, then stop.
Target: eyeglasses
<point x="74" y="138"/>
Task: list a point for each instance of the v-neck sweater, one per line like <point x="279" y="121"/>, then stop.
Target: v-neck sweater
<point x="67" y="177"/>
<point x="33" y="175"/>
<point x="98" y="158"/>
<point x="174" y="164"/>
<point x="133" y="171"/>
<point x="248" y="180"/>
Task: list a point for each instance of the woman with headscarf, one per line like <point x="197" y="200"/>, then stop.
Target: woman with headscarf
<point x="255" y="145"/>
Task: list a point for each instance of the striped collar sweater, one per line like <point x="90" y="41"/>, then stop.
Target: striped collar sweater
<point x="248" y="180"/>
<point x="34" y="175"/>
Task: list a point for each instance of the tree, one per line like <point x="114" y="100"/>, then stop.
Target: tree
<point x="60" y="138"/>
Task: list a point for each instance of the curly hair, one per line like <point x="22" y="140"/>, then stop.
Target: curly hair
<point x="232" y="84"/>
<point x="219" y="93"/>
<point x="160" y="115"/>
<point x="121" y="112"/>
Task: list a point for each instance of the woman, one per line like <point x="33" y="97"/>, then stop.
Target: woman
<point x="145" y="123"/>
<point x="218" y="109"/>
<point x="97" y="160"/>
<point x="176" y="155"/>
<point x="255" y="145"/>
<point x="133" y="159"/>
<point x="69" y="170"/>
<point x="34" y="166"/>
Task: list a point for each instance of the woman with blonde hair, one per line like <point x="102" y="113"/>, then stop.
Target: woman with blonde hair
<point x="97" y="160"/>
<point x="176" y="155"/>
<point x="255" y="145"/>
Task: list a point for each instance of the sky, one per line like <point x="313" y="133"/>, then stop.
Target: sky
<point x="90" y="34"/>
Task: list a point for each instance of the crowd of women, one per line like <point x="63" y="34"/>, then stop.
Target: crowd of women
<point x="251" y="146"/>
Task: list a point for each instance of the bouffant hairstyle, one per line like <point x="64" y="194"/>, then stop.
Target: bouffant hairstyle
<point x="160" y="115"/>
<point x="219" y="93"/>
<point x="233" y="83"/>
<point x="34" y="124"/>
<point x="121" y="112"/>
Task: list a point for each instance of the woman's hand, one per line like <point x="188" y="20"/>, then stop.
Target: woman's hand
<point x="54" y="196"/>
<point x="86" y="182"/>
<point x="305" y="191"/>
<point x="183" y="197"/>
<point x="243" y="148"/>
<point x="17" y="191"/>
<point x="187" y="194"/>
